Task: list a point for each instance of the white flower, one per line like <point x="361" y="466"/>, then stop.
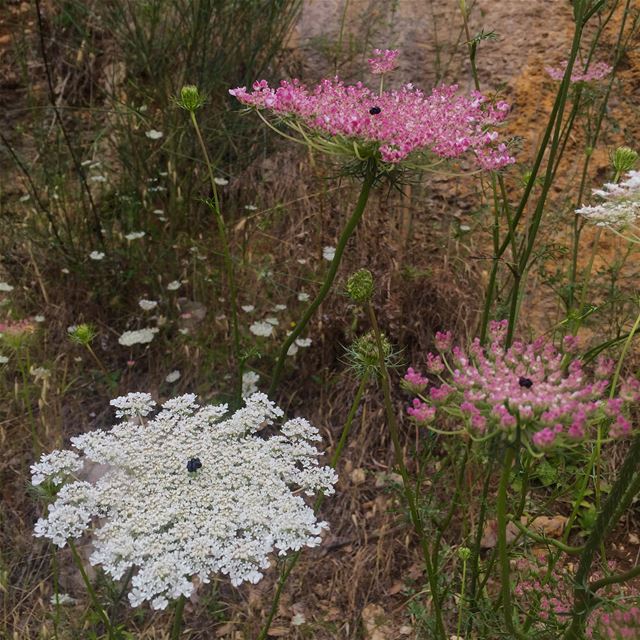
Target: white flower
<point x="271" y="320"/>
<point x="292" y="350"/>
<point x="4" y="286"/>
<point x="147" y="305"/>
<point x="279" y="307"/>
<point x="193" y="492"/>
<point x="25" y="198"/>
<point x="4" y="359"/>
<point x="159" y="212"/>
<point x="62" y="599"/>
<point x="135" y="235"/>
<point x="222" y="182"/>
<point x="328" y="253"/>
<point x="465" y="228"/>
<point x="140" y="336"/>
<point x="620" y="207"/>
<point x="301" y="261"/>
<point x="39" y="318"/>
<point x="250" y="207"/>
<point x="173" y="376"/>
<point x="249" y="383"/>
<point x="303" y="297"/>
<point x="55" y="467"/>
<point x="174" y="285"/>
<point x="133" y="404"/>
<point x="98" y="179"/>
<point x="247" y="308"/>
<point x="152" y="134"/>
<point x="263" y="329"/>
<point x="303" y="342"/>
<point x="96" y="255"/>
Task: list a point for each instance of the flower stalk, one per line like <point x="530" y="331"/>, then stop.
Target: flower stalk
<point x="370" y="176"/>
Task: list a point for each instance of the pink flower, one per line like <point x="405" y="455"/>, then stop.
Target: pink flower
<point x="383" y="61"/>
<point x="434" y="364"/>
<point x="421" y="411"/>
<point x="415" y="382"/>
<point x="389" y="127"/>
<point x="443" y="340"/>
<point x="596" y="71"/>
<point x="528" y="386"/>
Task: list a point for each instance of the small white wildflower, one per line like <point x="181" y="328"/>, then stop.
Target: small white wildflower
<point x="184" y="331"/>
<point x="328" y="253"/>
<point x="64" y="270"/>
<point x="303" y="342"/>
<point x="159" y="212"/>
<point x="301" y="261"/>
<point x="153" y="134"/>
<point x="5" y="287"/>
<point x="263" y="329"/>
<point x="174" y="285"/>
<point x="271" y="320"/>
<point x="249" y="383"/>
<point x="55" y="466"/>
<point x="279" y="307"/>
<point x="465" y="228"/>
<point x="133" y="404"/>
<point x="4" y="359"/>
<point x="193" y="492"/>
<point x="98" y="179"/>
<point x="303" y="297"/>
<point x="96" y="255"/>
<point x="173" y="376"/>
<point x="298" y="619"/>
<point x="62" y="599"/>
<point x="147" y="305"/>
<point x="222" y="182"/>
<point x="25" y="198"/>
<point x="135" y="235"/>
<point x="293" y="349"/>
<point x="140" y="336"/>
<point x="247" y="308"/>
<point x="39" y="318"/>
<point x="250" y="207"/>
<point x="72" y="328"/>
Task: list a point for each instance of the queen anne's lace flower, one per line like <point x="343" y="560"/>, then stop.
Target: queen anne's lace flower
<point x="620" y="206"/>
<point x="56" y="467"/>
<point x="596" y="71"/>
<point x="391" y="126"/>
<point x="526" y="387"/>
<point x="133" y="404"/>
<point x="140" y="336"/>
<point x="190" y="493"/>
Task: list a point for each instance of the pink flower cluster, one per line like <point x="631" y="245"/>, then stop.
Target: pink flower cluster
<point x="596" y="71"/>
<point x="383" y="61"/>
<point x="526" y="385"/>
<point x="618" y="625"/>
<point x="546" y="590"/>
<point x="390" y="126"/>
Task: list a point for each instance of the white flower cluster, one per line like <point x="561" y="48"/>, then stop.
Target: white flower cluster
<point x="621" y="203"/>
<point x="133" y="404"/>
<point x="191" y="493"/>
<point x="140" y="336"/>
<point x="56" y="467"/>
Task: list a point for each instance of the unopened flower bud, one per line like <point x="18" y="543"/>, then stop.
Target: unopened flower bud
<point x="464" y="553"/>
<point x="363" y="353"/>
<point x="360" y="285"/>
<point x="190" y="98"/>
<point x="624" y="159"/>
<point x="82" y="334"/>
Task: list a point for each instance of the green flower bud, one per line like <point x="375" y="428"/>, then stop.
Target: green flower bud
<point x="82" y="334"/>
<point x="360" y="285"/>
<point x="190" y="98"/>
<point x="464" y="553"/>
<point x="363" y="354"/>
<point x="623" y="159"/>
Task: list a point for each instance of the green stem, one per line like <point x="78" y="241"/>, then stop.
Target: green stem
<point x="406" y="481"/>
<point x="335" y="458"/>
<point x="572" y="551"/>
<point x="369" y="179"/>
<point x="618" y="500"/>
<point x="625" y="348"/>
<point x="503" y="551"/>
<point x="228" y="262"/>
<point x="615" y="579"/>
<point x="176" y="628"/>
<point x="462" y="594"/>
<point x="90" y="590"/>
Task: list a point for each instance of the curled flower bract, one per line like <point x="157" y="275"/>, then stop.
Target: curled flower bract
<point x="394" y="126"/>
<point x="528" y="388"/>
<point x="172" y="519"/>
